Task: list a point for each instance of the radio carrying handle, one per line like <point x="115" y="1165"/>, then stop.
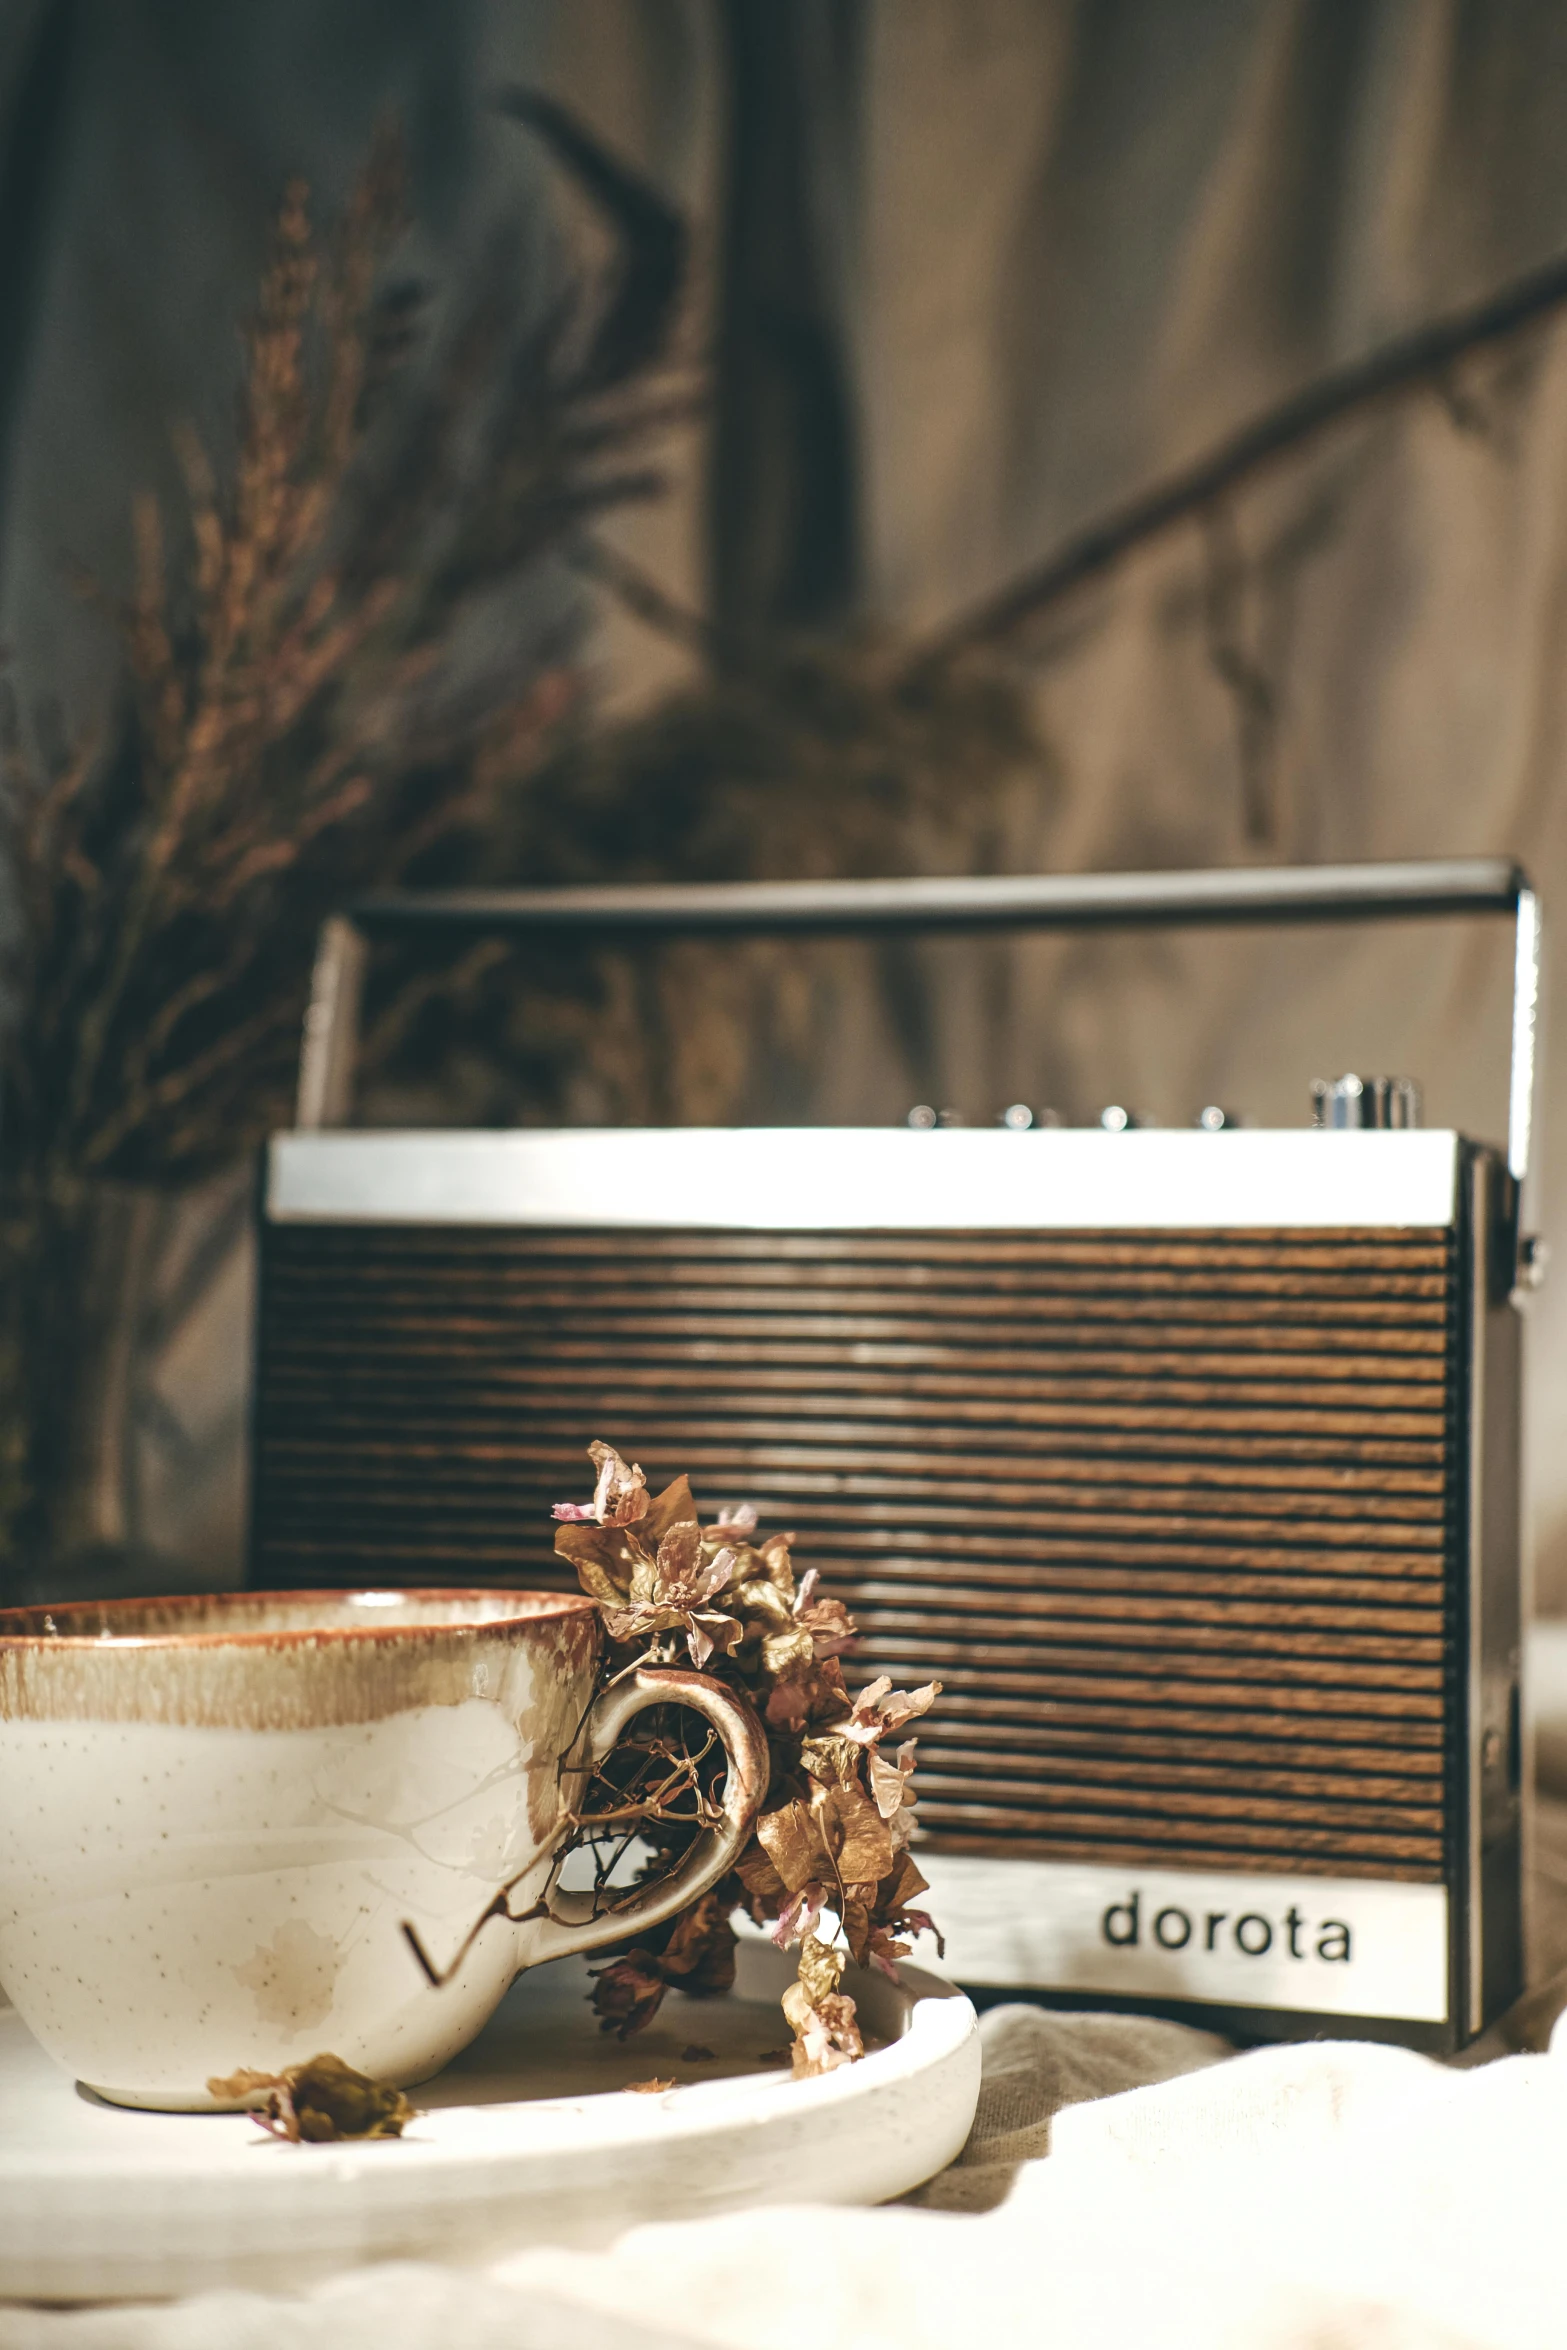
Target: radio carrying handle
<point x="1043" y="901"/>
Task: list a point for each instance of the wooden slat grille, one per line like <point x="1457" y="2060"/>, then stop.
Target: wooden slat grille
<point x="1171" y="1516"/>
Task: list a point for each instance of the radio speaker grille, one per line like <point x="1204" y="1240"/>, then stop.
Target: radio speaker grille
<point x="1172" y="1516"/>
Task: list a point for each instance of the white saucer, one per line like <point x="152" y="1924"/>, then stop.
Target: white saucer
<point x="528" y="2137"/>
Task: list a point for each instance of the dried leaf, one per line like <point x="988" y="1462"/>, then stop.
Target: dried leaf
<point x="764" y="1887"/>
<point x="901" y="1886"/>
<point x="605" y="1557"/>
<point x="789" y="1653"/>
<point x="758" y="1601"/>
<point x="855" y="1832"/>
<point x="700" y="1954"/>
<point x="821" y="1969"/>
<point x="776" y="1562"/>
<point x="672" y="1507"/>
<point x="793" y="1841"/>
<point x="832" y="1760"/>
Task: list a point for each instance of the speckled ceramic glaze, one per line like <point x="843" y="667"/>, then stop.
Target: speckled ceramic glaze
<point x="217" y="1814"/>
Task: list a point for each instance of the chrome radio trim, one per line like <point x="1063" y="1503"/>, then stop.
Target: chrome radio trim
<point x="868" y="1179"/>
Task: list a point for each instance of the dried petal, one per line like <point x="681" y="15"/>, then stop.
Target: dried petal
<point x="828" y="2036"/>
<point x="620" y="1497"/>
<point x="677" y="1555"/>
<point x="880" y="1708"/>
<point x="737" y="1518"/>
<point x="904" y="1705"/>
<point x="234" y="2088"/>
<point x="789" y="1706"/>
<point x="799" y="1916"/>
<point x="890" y="1780"/>
<point x="826" y="2032"/>
<point x="653" y="2088"/>
<point x="920" y="1921"/>
<point x="706" y="1631"/>
<point x="698" y="1643"/>
<point x="627" y="1992"/>
<point x="883" y="1953"/>
<point x="832" y="1628"/>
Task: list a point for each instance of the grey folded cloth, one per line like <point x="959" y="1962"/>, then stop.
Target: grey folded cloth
<point x="1036" y="2062"/>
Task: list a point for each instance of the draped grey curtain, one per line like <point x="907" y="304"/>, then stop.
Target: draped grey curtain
<point x="980" y="269"/>
<point x="1097" y="239"/>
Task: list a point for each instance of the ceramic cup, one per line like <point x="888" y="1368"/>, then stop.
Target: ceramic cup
<point x="217" y="1815"/>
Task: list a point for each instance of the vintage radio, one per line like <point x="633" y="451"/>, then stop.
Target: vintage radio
<point x="1187" y="1460"/>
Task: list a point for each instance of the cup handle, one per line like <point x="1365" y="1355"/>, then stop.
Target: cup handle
<point x="571" y="1923"/>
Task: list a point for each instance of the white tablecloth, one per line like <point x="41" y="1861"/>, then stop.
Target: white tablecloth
<point x="1127" y="2182"/>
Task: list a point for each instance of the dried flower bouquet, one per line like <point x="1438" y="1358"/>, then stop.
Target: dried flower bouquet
<point x="832" y="1841"/>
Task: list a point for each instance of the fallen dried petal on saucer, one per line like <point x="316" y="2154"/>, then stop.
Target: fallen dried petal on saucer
<point x="233" y="2087"/>
<point x="651" y="2088"/>
<point x="318" y="2102"/>
<point x="696" y="2054"/>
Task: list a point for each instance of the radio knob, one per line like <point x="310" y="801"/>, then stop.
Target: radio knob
<point x="1377" y="1103"/>
<point x="923" y="1118"/>
<point x="1116" y="1120"/>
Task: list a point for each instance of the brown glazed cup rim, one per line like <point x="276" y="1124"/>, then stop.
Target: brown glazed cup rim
<point x="43" y="1627"/>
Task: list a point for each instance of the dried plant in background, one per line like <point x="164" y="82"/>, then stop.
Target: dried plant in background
<point x="828" y="1869"/>
<point x="313" y="702"/>
<point x="790" y="759"/>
